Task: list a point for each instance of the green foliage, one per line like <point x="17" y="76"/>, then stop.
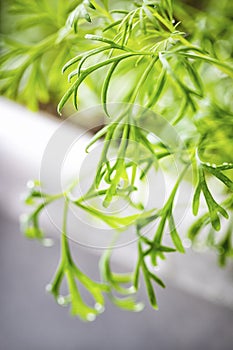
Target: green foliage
<point x="173" y="58"/>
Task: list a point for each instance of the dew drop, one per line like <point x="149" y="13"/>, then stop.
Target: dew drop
<point x="91" y="317"/>
<point x="61" y="300"/>
<point x="187" y="243"/>
<point x="139" y="307"/>
<point x="30" y="184"/>
<point x="49" y="287"/>
<point x="99" y="307"/>
<point x="132" y="289"/>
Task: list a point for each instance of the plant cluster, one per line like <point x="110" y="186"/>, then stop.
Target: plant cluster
<point x="173" y="63"/>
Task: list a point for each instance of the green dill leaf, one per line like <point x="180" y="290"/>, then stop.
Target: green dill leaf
<point x="175" y="236"/>
<point x="157" y="280"/>
<point x="196" y="199"/>
<point x="106" y="86"/>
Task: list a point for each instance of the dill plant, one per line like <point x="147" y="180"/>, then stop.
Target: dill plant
<point x="175" y="60"/>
